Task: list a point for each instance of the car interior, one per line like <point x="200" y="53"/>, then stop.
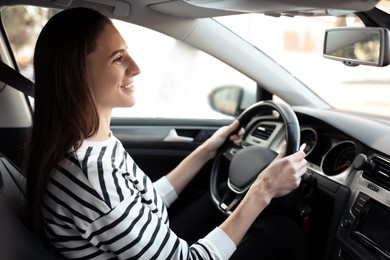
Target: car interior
<point x="342" y="203"/>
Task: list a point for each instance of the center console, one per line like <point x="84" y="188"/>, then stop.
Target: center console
<point x="364" y="229"/>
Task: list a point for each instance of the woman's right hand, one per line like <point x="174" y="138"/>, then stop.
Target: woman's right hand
<point x="281" y="177"/>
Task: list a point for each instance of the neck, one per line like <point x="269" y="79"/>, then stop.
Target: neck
<point x="104" y="131"/>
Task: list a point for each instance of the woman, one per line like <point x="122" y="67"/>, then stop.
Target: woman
<point x="84" y="190"/>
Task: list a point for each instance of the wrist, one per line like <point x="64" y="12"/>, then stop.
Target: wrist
<point x="261" y="193"/>
<point x="206" y="153"/>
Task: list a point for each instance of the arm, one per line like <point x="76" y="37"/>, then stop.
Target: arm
<point x="190" y="166"/>
<point x="133" y="227"/>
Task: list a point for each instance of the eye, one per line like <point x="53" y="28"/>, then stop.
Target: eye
<point x="119" y="58"/>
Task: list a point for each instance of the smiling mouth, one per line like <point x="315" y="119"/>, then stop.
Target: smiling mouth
<point x="129" y="86"/>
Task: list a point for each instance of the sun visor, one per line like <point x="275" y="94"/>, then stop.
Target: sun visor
<point x="212" y="8"/>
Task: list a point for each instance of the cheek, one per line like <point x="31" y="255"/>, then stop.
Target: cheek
<point x="103" y="82"/>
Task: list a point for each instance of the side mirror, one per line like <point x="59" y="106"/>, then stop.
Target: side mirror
<point x="358" y="46"/>
<point x="231" y="100"/>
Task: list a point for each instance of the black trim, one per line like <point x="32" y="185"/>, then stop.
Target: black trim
<point x="16" y="80"/>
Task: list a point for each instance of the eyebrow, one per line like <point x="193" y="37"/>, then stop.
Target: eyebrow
<point x="116" y="52"/>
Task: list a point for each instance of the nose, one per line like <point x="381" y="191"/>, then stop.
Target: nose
<point x="132" y="68"/>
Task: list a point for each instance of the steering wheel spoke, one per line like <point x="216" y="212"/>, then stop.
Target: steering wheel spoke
<point x="230" y="201"/>
<point x="230" y="151"/>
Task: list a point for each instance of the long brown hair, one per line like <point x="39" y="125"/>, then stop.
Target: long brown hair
<point x="65" y="111"/>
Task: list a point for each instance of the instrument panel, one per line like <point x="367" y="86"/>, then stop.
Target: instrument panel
<point x="332" y="153"/>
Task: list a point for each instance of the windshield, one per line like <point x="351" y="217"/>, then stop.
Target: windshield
<point x="296" y="43"/>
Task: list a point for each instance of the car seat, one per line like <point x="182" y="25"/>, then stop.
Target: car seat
<point x="16" y="241"/>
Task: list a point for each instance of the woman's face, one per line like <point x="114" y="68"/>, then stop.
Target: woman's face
<point x="111" y="71"/>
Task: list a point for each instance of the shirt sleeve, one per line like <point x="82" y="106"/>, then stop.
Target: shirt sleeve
<point x="165" y="190"/>
<point x="220" y="243"/>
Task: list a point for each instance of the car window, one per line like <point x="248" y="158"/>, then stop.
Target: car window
<point x="175" y="81"/>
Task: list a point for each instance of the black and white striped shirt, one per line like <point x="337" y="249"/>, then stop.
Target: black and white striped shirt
<point x="99" y="205"/>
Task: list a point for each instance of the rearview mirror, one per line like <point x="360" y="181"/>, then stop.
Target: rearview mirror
<point x="355" y="46"/>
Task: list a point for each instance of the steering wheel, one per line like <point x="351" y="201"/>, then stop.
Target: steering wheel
<point x="245" y="163"/>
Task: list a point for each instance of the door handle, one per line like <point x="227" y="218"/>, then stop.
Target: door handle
<point x="172" y="136"/>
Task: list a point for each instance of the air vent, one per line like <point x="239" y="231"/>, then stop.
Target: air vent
<point x="380" y="173"/>
<point x="263" y="131"/>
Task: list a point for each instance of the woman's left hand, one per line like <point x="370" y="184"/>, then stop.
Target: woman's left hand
<point x="190" y="166"/>
<point x="219" y="137"/>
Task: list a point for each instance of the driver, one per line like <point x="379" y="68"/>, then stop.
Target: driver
<point x="89" y="198"/>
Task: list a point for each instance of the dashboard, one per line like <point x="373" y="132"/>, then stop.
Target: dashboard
<point x="363" y="166"/>
<point x="345" y="152"/>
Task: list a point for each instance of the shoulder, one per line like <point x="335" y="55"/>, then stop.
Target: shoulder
<point x="69" y="169"/>
<point x="100" y="149"/>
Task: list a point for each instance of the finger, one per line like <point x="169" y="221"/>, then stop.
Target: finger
<point x="302" y="171"/>
<point x="235" y="139"/>
<point x="297" y="156"/>
<point x="238" y="134"/>
<point x="241" y="132"/>
<point x="282" y="151"/>
<point x="233" y="126"/>
<point x="225" y="131"/>
<point x="231" y="132"/>
<point x="300" y="155"/>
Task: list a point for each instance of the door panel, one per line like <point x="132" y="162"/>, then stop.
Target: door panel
<point x="158" y="145"/>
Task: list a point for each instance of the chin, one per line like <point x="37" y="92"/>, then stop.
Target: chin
<point x="128" y="103"/>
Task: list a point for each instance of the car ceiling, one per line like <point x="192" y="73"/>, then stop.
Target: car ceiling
<point x="212" y="8"/>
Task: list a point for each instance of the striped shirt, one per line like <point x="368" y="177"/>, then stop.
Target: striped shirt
<point x="99" y="205"/>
